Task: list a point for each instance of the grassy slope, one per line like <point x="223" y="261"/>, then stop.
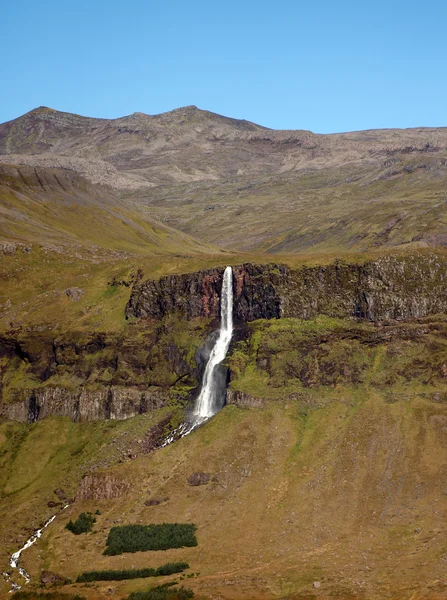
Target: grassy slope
<point x="340" y="478"/>
<point x="348" y="494"/>
<point x="34" y="462"/>
<point x="350" y="208"/>
<point x="81" y="236"/>
<point x="54" y="206"/>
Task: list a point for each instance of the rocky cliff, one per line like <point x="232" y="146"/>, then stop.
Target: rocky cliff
<point x="389" y="287"/>
<point x="258" y="293"/>
<point x="157" y="360"/>
<point x="102" y="375"/>
<point x="84" y="404"/>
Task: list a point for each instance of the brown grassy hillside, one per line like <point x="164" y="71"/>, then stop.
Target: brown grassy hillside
<point x="350" y="494"/>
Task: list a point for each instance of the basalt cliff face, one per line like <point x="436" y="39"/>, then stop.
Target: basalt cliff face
<point x="158" y="360"/>
<point x="98" y="376"/>
<point x="81" y="404"/>
<point x="258" y="290"/>
<point x="390" y="287"/>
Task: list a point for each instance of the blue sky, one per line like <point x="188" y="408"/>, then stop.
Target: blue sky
<point x="322" y="65"/>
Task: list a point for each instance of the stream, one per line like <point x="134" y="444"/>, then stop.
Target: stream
<point x="14" y="560"/>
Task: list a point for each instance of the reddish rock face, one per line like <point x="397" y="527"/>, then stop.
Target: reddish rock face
<point x="390" y="287"/>
<point x="210" y="297"/>
<point x="256" y="294"/>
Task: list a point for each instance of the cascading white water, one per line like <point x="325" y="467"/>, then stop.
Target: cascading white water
<point x="14" y="560"/>
<point x="206" y="404"/>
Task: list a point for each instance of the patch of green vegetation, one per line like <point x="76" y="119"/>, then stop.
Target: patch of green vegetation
<point x="285" y="357"/>
<point x="167" y="569"/>
<point x="22" y="595"/>
<point x="139" y="538"/>
<point x="83" y="524"/>
<point x="163" y="592"/>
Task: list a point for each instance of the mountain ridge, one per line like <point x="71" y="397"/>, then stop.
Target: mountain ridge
<point x="192" y="108"/>
<point x="215" y="178"/>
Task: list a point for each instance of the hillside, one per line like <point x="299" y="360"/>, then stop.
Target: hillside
<point x="341" y="489"/>
<point x="324" y="475"/>
<point x="56" y="206"/>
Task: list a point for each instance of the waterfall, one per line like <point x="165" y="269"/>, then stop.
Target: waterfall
<point x="207" y="403"/>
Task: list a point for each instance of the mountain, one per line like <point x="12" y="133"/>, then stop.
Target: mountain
<point x="324" y="476"/>
<point x="216" y="178"/>
<point x="189" y="144"/>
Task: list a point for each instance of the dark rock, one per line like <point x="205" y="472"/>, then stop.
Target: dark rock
<point x="199" y="478"/>
<point x="198" y="294"/>
<point x="82" y="404"/>
<point x="50" y="578"/>
<point x="53" y="504"/>
<point x="74" y="293"/>
<point x="60" y="493"/>
<point x="390" y="287"/>
<point x="242" y="399"/>
<point x="156" y="501"/>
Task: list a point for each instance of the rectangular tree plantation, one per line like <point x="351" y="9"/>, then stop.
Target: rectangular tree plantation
<point x="140" y="538"/>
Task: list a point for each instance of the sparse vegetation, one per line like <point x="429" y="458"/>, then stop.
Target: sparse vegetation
<point x="167" y="569"/>
<point x="138" y="538"/>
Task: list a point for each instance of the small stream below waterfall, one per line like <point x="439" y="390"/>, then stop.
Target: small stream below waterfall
<point x="208" y="403"/>
<point x="14" y="560"/>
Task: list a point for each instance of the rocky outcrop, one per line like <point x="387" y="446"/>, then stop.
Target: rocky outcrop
<point x="88" y="376"/>
<point x="199" y="478"/>
<point x="243" y="400"/>
<point x="50" y="578"/>
<point x="390" y="287"/>
<point x="84" y="404"/>
<point x="116" y="376"/>
<point x="156" y="501"/>
<point x="101" y="486"/>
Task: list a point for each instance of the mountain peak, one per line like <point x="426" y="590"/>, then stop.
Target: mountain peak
<point x="41" y="110"/>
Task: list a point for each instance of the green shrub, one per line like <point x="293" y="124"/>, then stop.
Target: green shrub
<point x="83" y="523"/>
<point x="163" y="592"/>
<point x="167" y="569"/>
<point x="137" y="538"/>
<point x="171" y="568"/>
<point x="44" y="596"/>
